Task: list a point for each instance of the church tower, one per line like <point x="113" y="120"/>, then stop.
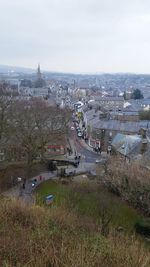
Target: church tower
<point x="39" y="75"/>
<point x="39" y="83"/>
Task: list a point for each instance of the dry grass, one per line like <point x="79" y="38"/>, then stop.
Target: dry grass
<point x="133" y="170"/>
<point x="130" y="181"/>
<point x="33" y="236"/>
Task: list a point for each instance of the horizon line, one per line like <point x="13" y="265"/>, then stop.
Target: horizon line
<point x="76" y="73"/>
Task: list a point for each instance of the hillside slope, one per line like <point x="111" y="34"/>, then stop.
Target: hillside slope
<point x="48" y="237"/>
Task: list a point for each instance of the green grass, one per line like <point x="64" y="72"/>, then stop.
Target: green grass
<point x="88" y="200"/>
<point x="49" y="187"/>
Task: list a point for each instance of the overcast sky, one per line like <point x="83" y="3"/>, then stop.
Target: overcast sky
<point x="76" y="35"/>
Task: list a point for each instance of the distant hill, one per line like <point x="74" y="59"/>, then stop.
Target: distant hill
<point x="10" y="69"/>
<point x="56" y="74"/>
<point x="5" y="68"/>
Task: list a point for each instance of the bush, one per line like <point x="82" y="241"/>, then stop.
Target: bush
<point x="52" y="166"/>
<point x="137" y="94"/>
<point x="143" y="227"/>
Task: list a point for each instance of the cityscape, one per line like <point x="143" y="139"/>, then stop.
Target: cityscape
<point x="74" y="133"/>
<point x="104" y="107"/>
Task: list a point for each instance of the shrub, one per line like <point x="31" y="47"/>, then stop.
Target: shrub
<point x="52" y="166"/>
<point x="143" y="227"/>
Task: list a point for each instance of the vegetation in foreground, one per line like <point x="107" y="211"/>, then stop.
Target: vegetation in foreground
<point x="130" y="181"/>
<point x="38" y="236"/>
<point x="90" y="199"/>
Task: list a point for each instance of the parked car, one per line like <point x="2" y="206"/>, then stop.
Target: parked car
<point x="79" y="134"/>
<point x="100" y="160"/>
<point x="78" y="129"/>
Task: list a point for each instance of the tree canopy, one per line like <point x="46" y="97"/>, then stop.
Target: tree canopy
<point x="137" y="94"/>
<point x="30" y="125"/>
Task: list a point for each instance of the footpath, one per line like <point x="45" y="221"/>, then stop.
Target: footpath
<point x="25" y="193"/>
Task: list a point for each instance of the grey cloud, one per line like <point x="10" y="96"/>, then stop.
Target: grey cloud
<point x="76" y="35"/>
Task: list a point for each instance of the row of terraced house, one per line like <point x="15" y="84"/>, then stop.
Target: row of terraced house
<point x="105" y="119"/>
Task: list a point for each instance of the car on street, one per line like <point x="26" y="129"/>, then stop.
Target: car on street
<point x="100" y="161"/>
<point x="78" y="130"/>
<point x="79" y="134"/>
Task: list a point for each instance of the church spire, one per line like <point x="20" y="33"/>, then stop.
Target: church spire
<point x="39" y="83"/>
<point x="39" y="76"/>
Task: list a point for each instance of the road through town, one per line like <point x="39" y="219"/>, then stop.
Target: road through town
<point x="80" y="147"/>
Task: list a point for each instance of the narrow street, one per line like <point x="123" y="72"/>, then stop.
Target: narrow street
<point x="81" y="148"/>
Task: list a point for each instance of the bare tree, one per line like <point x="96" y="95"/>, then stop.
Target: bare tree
<point x="5" y="102"/>
<point x="24" y="131"/>
<point x="50" y="122"/>
<point x="34" y="124"/>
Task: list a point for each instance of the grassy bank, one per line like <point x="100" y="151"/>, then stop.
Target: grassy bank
<point x="91" y="200"/>
<point x="35" y="236"/>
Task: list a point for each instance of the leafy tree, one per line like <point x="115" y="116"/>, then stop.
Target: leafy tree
<point x="124" y="95"/>
<point x="137" y="94"/>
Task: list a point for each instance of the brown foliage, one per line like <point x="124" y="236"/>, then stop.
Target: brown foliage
<point x="35" y="236"/>
<point x="130" y="181"/>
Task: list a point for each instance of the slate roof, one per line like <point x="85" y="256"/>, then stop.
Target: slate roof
<point x="120" y="126"/>
<point x="126" y="113"/>
<point x="91" y="114"/>
<point x="116" y="125"/>
<point x="125" y="144"/>
<point x="109" y="98"/>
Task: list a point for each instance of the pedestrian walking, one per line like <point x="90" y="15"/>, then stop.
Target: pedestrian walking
<point x="24" y="183"/>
